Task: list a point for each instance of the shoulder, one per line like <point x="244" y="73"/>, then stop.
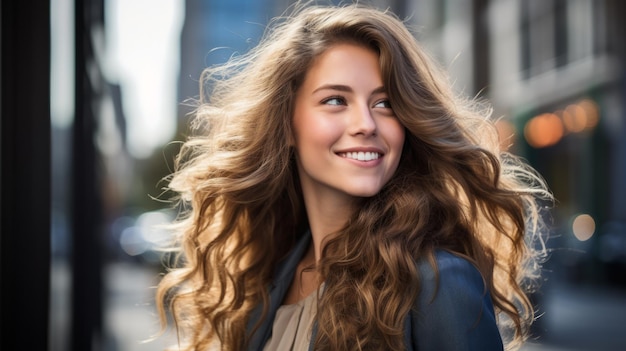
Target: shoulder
<point x="454" y="282"/>
<point x="450" y="271"/>
<point x="453" y="310"/>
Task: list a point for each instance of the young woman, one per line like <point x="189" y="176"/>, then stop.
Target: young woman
<point x="339" y="196"/>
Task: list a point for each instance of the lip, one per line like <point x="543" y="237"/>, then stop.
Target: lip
<point x="361" y="149"/>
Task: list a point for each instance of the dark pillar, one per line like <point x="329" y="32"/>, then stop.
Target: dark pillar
<point x="25" y="174"/>
<point x="481" y="38"/>
<point x="86" y="330"/>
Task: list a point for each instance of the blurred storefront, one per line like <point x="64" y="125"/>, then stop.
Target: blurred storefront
<point x="558" y="72"/>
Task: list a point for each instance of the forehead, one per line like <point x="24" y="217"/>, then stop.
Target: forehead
<point x="345" y="63"/>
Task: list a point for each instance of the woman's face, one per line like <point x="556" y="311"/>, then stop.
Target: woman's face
<point x="348" y="141"/>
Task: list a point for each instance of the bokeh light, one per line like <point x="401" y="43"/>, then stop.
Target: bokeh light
<point x="583" y="227"/>
<point x="549" y="128"/>
<point x="544" y="130"/>
<point x="574" y="118"/>
<point x="591" y="111"/>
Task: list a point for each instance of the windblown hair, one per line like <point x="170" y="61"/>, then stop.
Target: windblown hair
<point x="243" y="209"/>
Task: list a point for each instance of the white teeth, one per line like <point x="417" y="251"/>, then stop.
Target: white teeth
<point x="361" y="156"/>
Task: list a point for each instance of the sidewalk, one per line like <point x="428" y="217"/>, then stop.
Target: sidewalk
<point x="130" y="313"/>
<point x="582" y="318"/>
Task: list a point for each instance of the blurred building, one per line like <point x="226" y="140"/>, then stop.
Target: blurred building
<point x="557" y="71"/>
<point x="214" y="31"/>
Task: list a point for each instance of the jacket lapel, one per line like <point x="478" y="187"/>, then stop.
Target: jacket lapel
<point x="283" y="277"/>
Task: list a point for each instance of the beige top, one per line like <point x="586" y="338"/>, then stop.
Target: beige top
<point x="292" y="326"/>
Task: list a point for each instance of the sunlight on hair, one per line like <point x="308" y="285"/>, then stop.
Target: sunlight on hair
<point x="506" y="134"/>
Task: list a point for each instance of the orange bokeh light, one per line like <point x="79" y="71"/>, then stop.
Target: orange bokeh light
<point x="583" y="227"/>
<point x="548" y="128"/>
<point x="574" y="118"/>
<point x="591" y="111"/>
<point x="543" y="130"/>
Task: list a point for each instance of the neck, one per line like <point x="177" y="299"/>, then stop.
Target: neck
<point x="326" y="216"/>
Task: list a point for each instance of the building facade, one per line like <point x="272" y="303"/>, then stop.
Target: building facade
<point x="557" y="72"/>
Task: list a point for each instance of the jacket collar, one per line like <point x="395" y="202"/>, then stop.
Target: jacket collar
<point x="283" y="277"/>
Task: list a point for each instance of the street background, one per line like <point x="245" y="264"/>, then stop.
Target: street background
<point x="121" y="71"/>
<point x="574" y="317"/>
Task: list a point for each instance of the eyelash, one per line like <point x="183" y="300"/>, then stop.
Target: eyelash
<point x="342" y="101"/>
<point x="385" y="101"/>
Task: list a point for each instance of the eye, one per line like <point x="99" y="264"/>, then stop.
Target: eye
<point x="334" y="101"/>
<point x="383" y="104"/>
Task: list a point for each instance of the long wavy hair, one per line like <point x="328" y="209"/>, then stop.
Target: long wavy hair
<point x="242" y="208"/>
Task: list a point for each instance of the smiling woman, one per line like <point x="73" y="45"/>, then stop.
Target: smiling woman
<point x="347" y="139"/>
<point x="339" y="196"/>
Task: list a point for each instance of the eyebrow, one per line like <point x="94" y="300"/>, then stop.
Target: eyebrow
<point x="345" y="88"/>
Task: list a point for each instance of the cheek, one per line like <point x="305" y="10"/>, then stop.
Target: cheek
<point x="395" y="134"/>
<point x="311" y="130"/>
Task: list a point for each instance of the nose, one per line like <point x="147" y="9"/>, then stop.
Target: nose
<point x="362" y="122"/>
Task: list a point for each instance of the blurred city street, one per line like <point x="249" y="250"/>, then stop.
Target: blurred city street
<point x="575" y="318"/>
<point x="85" y="170"/>
<point x="582" y="318"/>
<point x="131" y="319"/>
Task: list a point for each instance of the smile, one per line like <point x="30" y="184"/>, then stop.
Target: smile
<point x="360" y="156"/>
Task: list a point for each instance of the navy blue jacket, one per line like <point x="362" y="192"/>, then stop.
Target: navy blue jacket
<point x="459" y="317"/>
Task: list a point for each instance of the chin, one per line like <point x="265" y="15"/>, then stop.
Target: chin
<point x="364" y="192"/>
